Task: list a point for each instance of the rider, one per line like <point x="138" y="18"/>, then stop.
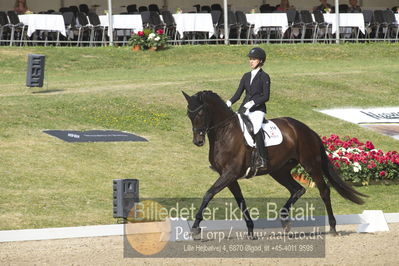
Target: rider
<point x="256" y="84"/>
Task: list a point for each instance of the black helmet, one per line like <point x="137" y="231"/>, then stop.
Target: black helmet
<point x="257" y="53"/>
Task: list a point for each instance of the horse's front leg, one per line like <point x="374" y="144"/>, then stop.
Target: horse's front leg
<point x="236" y="191"/>
<point x="223" y="181"/>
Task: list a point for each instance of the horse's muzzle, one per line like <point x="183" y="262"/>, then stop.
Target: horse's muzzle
<point x="199" y="143"/>
<point x="199" y="140"/>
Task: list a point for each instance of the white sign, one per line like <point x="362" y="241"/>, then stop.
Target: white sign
<point x="366" y="116"/>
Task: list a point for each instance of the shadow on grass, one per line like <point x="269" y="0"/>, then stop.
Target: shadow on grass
<point x="47" y="91"/>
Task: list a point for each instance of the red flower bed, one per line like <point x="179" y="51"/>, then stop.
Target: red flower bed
<point x="359" y="162"/>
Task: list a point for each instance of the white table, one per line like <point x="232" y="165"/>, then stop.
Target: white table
<point x="268" y="20"/>
<point x="346" y="20"/>
<point x="43" y="22"/>
<point x="123" y="22"/>
<point x="188" y="22"/>
<point x="132" y="22"/>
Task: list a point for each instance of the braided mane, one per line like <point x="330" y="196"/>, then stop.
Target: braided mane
<point x="215" y="102"/>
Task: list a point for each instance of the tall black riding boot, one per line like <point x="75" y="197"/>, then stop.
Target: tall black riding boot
<point x="260" y="145"/>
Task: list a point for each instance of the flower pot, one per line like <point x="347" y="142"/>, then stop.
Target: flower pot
<point x="296" y="177"/>
<point x="136" y="48"/>
<point x="302" y="180"/>
<point x="154" y="48"/>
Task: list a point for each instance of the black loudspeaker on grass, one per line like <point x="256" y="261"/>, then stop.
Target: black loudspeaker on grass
<point x="125" y="194"/>
<point x="35" y="71"/>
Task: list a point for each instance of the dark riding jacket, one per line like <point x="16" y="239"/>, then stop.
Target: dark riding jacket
<point x="258" y="91"/>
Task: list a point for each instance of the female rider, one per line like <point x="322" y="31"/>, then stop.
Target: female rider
<point x="256" y="84"/>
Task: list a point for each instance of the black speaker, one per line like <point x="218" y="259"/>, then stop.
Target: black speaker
<point x="35" y="72"/>
<point x="126" y="193"/>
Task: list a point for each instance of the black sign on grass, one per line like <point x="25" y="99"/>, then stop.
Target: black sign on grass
<point x="94" y="135"/>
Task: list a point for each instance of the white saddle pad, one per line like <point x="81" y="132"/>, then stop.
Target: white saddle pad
<point x="272" y="134"/>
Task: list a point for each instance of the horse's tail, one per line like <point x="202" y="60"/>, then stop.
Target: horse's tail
<point x="344" y="189"/>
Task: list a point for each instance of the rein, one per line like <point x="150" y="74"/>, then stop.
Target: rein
<point x="205" y="130"/>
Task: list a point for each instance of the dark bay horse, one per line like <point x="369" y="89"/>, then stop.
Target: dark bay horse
<point x="230" y="157"/>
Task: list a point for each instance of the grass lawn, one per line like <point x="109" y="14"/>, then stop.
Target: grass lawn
<point x="45" y="182"/>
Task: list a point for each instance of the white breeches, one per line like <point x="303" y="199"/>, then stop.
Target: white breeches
<point x="256" y="119"/>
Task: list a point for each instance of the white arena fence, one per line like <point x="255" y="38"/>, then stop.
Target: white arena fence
<point x="369" y="221"/>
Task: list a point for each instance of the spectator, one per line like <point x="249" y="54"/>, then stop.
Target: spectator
<point x="284" y="6"/>
<point x="353" y="7"/>
<point x="324" y="7"/>
<point x="20" y="6"/>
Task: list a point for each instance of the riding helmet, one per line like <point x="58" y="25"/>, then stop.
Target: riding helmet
<point x="257" y="53"/>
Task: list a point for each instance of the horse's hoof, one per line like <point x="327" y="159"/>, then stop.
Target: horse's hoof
<point x="333" y="232"/>
<point x="252" y="237"/>
<point x="286" y="224"/>
<point x="196" y="233"/>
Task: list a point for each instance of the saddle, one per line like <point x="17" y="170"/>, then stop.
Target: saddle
<point x="272" y="134"/>
<point x="248" y="124"/>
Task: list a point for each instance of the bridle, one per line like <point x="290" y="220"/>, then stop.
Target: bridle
<point x="204" y="130"/>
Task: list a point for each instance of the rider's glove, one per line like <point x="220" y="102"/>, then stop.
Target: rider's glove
<point x="248" y="106"/>
<point x="228" y="103"/>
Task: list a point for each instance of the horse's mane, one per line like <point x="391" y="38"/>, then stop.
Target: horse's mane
<point x="214" y="99"/>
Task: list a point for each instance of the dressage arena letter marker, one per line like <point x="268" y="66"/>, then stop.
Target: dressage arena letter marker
<point x="376" y="222"/>
<point x="125" y="194"/>
<point x="35" y="71"/>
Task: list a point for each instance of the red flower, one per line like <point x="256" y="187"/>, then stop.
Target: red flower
<point x="369" y="145"/>
<point x="356" y="141"/>
<point x="346" y="145"/>
<point x="345" y="161"/>
<point x="140" y="33"/>
<point x="382" y="173"/>
<point x="160" y="31"/>
<point x="338" y="142"/>
<point x="333" y="137"/>
<point x="371" y="165"/>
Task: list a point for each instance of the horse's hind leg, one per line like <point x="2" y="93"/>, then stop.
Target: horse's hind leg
<point x="324" y="191"/>
<point x="316" y="172"/>
<point x="283" y="176"/>
<point x="236" y="191"/>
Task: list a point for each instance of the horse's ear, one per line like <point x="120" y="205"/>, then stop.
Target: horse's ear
<point x="186" y="96"/>
<point x="201" y="95"/>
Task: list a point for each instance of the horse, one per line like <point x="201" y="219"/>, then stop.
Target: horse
<point x="230" y="157"/>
